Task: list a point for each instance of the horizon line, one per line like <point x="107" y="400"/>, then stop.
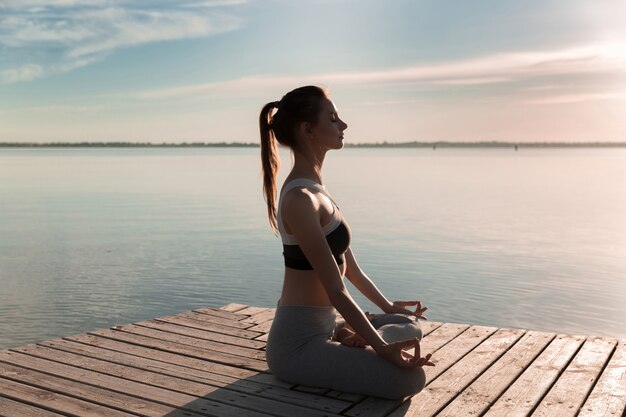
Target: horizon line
<point x="383" y="144"/>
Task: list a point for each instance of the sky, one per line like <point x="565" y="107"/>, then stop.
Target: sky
<point x="397" y="70"/>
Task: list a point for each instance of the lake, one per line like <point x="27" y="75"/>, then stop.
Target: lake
<point x="533" y="239"/>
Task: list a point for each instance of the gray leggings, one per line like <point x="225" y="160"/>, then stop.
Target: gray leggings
<point x="300" y="351"/>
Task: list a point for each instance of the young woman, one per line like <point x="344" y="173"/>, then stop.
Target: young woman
<point x="316" y="243"/>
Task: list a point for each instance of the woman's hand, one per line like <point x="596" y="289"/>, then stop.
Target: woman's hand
<point x="350" y="338"/>
<point x="397" y="353"/>
<point x="401" y="308"/>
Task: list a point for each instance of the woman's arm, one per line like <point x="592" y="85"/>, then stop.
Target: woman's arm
<point x="364" y="284"/>
<point x="301" y="210"/>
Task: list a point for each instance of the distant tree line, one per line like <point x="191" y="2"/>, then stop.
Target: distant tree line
<point x="384" y="144"/>
<point x="125" y="145"/>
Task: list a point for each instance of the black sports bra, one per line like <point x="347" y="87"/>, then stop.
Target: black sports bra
<point x="337" y="231"/>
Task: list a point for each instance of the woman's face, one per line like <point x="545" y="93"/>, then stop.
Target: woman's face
<point x="328" y="132"/>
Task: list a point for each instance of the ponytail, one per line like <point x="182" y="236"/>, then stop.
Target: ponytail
<point x="270" y="163"/>
<point x="300" y="105"/>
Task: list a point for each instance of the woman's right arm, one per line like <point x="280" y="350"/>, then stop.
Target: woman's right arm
<point x="301" y="211"/>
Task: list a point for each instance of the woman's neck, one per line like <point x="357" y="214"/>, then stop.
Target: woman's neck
<point x="308" y="166"/>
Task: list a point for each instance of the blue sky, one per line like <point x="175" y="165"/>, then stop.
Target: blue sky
<point x="199" y="70"/>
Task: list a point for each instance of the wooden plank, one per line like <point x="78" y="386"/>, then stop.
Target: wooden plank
<point x="262" y="338"/>
<point x="457" y="339"/>
<point x="261" y="317"/>
<point x="347" y="396"/>
<point x="251" y="311"/>
<point x="608" y="398"/>
<point x="217" y="312"/>
<point x="190" y="341"/>
<point x="222" y="339"/>
<point x="451" y="352"/>
<point x="494" y="381"/>
<point x="445" y="388"/>
<point x="226" y="325"/>
<point x="570" y="391"/>
<point x="12" y="408"/>
<point x="523" y="396"/>
<point x="187" y="350"/>
<point x="185" y="386"/>
<point x="54" y="401"/>
<point x="233" y="307"/>
<point x="429" y="326"/>
<point x="181" y="400"/>
<point x="263" y="327"/>
<point x="100" y="396"/>
<point x="441" y="336"/>
<point x="143" y="352"/>
<point x="210" y="326"/>
<point x="274" y="391"/>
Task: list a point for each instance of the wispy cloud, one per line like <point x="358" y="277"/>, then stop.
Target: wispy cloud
<point x="577" y="98"/>
<point x="85" y="31"/>
<point x="605" y="59"/>
<point x="24" y="73"/>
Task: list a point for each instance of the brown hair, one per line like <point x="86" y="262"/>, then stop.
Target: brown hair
<point x="297" y="106"/>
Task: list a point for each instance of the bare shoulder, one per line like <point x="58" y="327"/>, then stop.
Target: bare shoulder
<point x="300" y="205"/>
<point x="300" y="199"/>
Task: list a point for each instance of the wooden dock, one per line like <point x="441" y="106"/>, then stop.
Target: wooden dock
<point x="211" y="362"/>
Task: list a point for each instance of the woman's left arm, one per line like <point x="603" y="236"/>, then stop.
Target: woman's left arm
<point x="365" y="285"/>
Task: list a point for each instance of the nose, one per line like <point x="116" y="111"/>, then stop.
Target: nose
<point x="344" y="125"/>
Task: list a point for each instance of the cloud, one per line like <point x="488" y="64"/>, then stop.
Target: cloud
<point x="577" y="98"/>
<point x="80" y="32"/>
<point x="25" y="73"/>
<point x="604" y="59"/>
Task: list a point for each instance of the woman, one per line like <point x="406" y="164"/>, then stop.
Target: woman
<point x="316" y="243"/>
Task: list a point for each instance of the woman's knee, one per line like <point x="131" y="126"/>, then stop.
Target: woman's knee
<point x="410" y="383"/>
<point x="400" y="332"/>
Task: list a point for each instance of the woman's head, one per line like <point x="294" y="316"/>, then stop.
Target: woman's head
<point x="295" y="124"/>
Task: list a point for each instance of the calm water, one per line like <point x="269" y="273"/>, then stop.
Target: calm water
<point x="95" y="237"/>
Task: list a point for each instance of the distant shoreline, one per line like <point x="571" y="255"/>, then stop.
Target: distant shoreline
<point x="413" y="144"/>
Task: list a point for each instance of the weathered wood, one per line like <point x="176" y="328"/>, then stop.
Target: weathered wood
<point x="192" y="351"/>
<point x="202" y="334"/>
<point x="273" y="391"/>
<point x="608" y="398"/>
<point x="451" y="352"/>
<point x="123" y="385"/>
<point x="101" y="396"/>
<point x="347" y="396"/>
<point x="190" y="341"/>
<point x="210" y="326"/>
<point x="210" y="361"/>
<point x="261" y="317"/>
<point x="233" y="307"/>
<point x="54" y="401"/>
<point x="251" y="311"/>
<point x="167" y="357"/>
<point x="441" y="336"/>
<point x="263" y="327"/>
<point x="227" y="325"/>
<point x="175" y="384"/>
<point x="217" y="312"/>
<point x="438" y="336"/>
<point x="262" y="338"/>
<point x="429" y="326"/>
<point x="494" y="381"/>
<point x="526" y="392"/>
<point x="12" y="408"/>
<point x="570" y="391"/>
<point x="445" y="388"/>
